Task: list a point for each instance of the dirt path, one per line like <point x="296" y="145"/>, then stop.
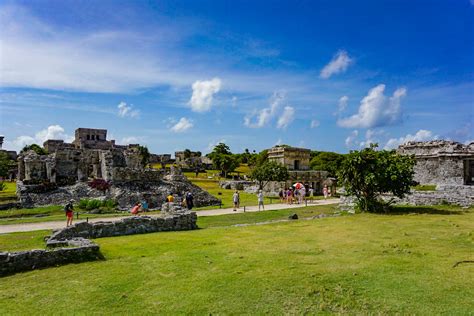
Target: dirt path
<point x="60" y="224"/>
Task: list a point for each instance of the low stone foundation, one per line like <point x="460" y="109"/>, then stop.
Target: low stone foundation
<point x="462" y="195"/>
<point x="71" y="244"/>
<point x="76" y="251"/>
<point x="128" y="226"/>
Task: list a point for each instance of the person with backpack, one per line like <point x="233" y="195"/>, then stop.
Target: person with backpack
<point x="69" y="210"/>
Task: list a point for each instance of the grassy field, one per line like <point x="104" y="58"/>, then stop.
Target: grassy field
<point x="360" y="264"/>
<point x="9" y="193"/>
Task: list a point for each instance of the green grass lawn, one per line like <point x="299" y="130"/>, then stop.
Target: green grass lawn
<point x="360" y="264"/>
<point x="8" y="195"/>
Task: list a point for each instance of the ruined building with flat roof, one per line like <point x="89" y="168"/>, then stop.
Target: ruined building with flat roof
<point x="446" y="165"/>
<point x="67" y="168"/>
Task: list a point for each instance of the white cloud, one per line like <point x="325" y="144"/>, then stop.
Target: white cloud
<point x="286" y="118"/>
<point x="351" y="139"/>
<point x="203" y="92"/>
<point x="376" y="110"/>
<point x="213" y="144"/>
<point x="341" y="106"/>
<point x="338" y="64"/>
<point x="183" y="125"/>
<point x="234" y="101"/>
<point x="314" y="123"/>
<point x="421" y="135"/>
<point x="130" y="140"/>
<point x="371" y="137"/>
<point x="125" y="110"/>
<point x="265" y="115"/>
<point x="51" y="132"/>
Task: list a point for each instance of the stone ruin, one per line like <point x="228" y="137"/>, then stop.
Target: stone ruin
<point x="66" y="171"/>
<point x="447" y="165"/>
<point x="73" y="245"/>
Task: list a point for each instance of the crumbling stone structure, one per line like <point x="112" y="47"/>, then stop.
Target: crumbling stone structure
<point x="67" y="167"/>
<point x="441" y="162"/>
<point x="446" y="164"/>
<point x="72" y="244"/>
<point x="191" y="160"/>
<point x="296" y="160"/>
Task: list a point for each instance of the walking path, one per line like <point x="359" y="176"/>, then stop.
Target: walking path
<point x="60" y="224"/>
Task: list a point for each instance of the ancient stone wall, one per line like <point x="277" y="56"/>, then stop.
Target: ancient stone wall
<point x="291" y="157"/>
<point x="440" y="162"/>
<point x="77" y="250"/>
<point x="128" y="226"/>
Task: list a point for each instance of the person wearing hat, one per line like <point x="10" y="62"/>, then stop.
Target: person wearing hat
<point x="69" y="209"/>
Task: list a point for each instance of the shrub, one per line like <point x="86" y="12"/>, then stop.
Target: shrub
<point x="93" y="204"/>
<point x="3" y="186"/>
<point x="109" y="204"/>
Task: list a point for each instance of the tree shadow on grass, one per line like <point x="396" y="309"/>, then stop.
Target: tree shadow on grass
<point x="406" y="210"/>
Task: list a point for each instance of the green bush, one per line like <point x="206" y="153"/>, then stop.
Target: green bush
<point x="93" y="204"/>
<point x="3" y="186"/>
<point x="83" y="204"/>
<point x="109" y="204"/>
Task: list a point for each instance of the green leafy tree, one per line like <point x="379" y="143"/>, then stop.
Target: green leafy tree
<point x="258" y="159"/>
<point x="269" y="171"/>
<point x="223" y="159"/>
<point x="325" y="160"/>
<point x="36" y="148"/>
<point x="5" y="164"/>
<point x="368" y="173"/>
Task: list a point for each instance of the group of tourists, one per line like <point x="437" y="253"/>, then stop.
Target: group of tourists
<point x="293" y="195"/>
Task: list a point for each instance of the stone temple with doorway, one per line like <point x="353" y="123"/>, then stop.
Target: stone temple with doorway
<point x="296" y="160"/>
<point x="445" y="165"/>
<point x="68" y="169"/>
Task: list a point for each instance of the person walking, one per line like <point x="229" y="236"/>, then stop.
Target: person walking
<point x="189" y="200"/>
<point x="236" y="200"/>
<point x="260" y="200"/>
<point x="325" y="192"/>
<point x="69" y="209"/>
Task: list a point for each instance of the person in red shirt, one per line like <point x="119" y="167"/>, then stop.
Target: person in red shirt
<point x="136" y="209"/>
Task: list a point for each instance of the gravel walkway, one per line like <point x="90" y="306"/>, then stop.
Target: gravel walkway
<point x="4" y="229"/>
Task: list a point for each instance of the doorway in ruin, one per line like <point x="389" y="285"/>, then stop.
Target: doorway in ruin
<point x="469" y="171"/>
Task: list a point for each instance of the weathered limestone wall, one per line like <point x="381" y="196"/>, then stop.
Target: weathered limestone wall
<point x="439" y="170"/>
<point x="78" y="250"/>
<point x="440" y="162"/>
<point x="286" y="156"/>
<point x="128" y="226"/>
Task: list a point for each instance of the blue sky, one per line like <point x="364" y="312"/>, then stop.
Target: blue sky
<point x="326" y="75"/>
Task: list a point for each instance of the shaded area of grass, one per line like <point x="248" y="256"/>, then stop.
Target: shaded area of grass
<point x="425" y="187"/>
<point x="362" y="264"/>
<point x="437" y="209"/>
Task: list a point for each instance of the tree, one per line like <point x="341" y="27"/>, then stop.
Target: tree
<point x="269" y="171"/>
<point x="223" y="159"/>
<point x="368" y="173"/>
<point x="258" y="159"/>
<point x="326" y="160"/>
<point x="36" y="148"/>
<point x="187" y="153"/>
<point x="5" y="164"/>
<point x="144" y="154"/>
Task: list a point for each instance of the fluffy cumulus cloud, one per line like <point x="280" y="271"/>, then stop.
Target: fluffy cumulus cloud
<point x="421" y="135"/>
<point x="125" y="110"/>
<point x="51" y="132"/>
<point x="338" y="64"/>
<point x="314" y="123"/>
<point x="262" y="118"/>
<point x="376" y="109"/>
<point x="286" y="117"/>
<point x="203" y="93"/>
<point x="351" y="139"/>
<point x="182" y="125"/>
